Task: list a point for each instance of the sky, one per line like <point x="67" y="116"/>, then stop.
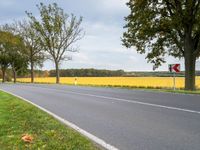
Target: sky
<point x="103" y="22"/>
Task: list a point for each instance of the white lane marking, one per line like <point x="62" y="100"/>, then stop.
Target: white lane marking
<point x="73" y="126"/>
<point x="126" y="100"/>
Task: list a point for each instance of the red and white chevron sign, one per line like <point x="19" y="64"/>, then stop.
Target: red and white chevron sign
<point x="176" y="68"/>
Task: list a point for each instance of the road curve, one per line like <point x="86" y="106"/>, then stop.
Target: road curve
<point x="127" y="119"/>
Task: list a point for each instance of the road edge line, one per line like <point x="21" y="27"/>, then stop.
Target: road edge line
<point x="90" y="136"/>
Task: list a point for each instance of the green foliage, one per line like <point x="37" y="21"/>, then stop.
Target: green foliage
<point x="103" y="73"/>
<point x="159" y="28"/>
<point x="31" y="39"/>
<point x="6" y="42"/>
<point x="87" y="73"/>
<point x="58" y="32"/>
<point x="12" y="52"/>
<point x="18" y="57"/>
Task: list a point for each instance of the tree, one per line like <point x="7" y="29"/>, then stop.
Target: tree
<point x="10" y="53"/>
<point x="57" y="31"/>
<point x="165" y="27"/>
<point x="4" y="56"/>
<point x="31" y="40"/>
<point x="18" y="59"/>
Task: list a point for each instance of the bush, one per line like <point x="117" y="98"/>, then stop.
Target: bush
<point x="8" y="79"/>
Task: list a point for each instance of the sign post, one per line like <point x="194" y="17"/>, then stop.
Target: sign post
<point x="174" y="79"/>
<point x="174" y="68"/>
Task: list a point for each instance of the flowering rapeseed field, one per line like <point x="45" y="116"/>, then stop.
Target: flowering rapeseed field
<point x="140" y="82"/>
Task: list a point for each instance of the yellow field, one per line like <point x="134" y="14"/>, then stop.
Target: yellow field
<point x="143" y="82"/>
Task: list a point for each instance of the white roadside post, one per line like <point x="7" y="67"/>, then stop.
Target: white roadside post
<point x="75" y="81"/>
<point x="174" y="81"/>
<point x="174" y="68"/>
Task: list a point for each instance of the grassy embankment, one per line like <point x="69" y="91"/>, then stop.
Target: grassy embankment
<point x="18" y="117"/>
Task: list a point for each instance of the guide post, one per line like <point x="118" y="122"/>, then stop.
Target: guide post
<point x="174" y="79"/>
<point x="174" y="68"/>
<point x="75" y="81"/>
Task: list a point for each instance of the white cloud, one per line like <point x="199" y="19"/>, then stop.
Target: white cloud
<point x="100" y="36"/>
<point x="117" y="5"/>
<point x="103" y="23"/>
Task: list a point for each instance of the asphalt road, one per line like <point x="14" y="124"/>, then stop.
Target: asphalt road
<point x="127" y="119"/>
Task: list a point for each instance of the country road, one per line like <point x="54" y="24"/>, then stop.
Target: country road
<point x="126" y="119"/>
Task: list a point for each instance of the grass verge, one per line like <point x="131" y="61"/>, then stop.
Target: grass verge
<point x="154" y="89"/>
<point x="18" y="117"/>
<point x="151" y="89"/>
<point x="181" y="91"/>
<point x="178" y="91"/>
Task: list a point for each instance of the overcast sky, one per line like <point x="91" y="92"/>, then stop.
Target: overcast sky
<point x="103" y="22"/>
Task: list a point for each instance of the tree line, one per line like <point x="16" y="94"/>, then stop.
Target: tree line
<point x="87" y="73"/>
<point x="90" y="72"/>
<point x="28" y="43"/>
<point x="110" y="73"/>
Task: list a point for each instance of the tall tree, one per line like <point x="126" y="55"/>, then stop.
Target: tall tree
<point x="18" y="59"/>
<point x="10" y="49"/>
<point x="58" y="32"/>
<point x="165" y="27"/>
<point x="31" y="40"/>
<point x="4" y="55"/>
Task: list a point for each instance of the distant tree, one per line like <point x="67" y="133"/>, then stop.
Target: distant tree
<point x="57" y="31"/>
<point x="165" y="27"/>
<point x="87" y="73"/>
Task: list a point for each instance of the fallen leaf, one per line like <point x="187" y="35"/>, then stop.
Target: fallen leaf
<point x="27" y="138"/>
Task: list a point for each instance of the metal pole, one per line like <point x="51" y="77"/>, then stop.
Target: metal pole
<point x="174" y="81"/>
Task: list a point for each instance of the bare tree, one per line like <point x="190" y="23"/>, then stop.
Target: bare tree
<point x="58" y="32"/>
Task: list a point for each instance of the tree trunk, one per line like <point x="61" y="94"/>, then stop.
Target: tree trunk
<point x="57" y="73"/>
<point x="14" y="76"/>
<point x="190" y="64"/>
<point x="32" y="71"/>
<point x="3" y="75"/>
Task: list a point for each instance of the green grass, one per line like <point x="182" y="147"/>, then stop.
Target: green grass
<point x="157" y="89"/>
<point x="154" y="89"/>
<point x="181" y="91"/>
<point x="18" y="117"/>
